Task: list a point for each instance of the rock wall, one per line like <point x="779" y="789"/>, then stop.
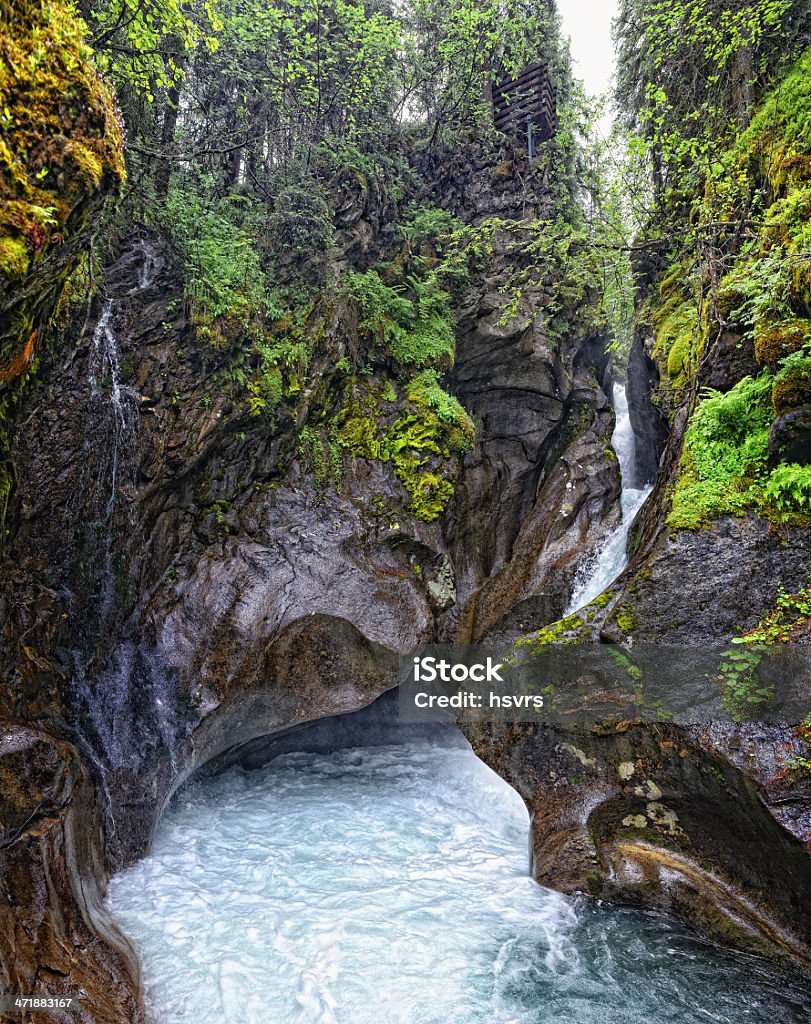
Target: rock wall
<point x="655" y="815"/>
<point x="177" y="580"/>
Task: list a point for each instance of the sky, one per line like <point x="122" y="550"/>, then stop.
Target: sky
<point x="588" y="24"/>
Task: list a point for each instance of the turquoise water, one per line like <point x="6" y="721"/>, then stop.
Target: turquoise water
<point x="389" y="885"/>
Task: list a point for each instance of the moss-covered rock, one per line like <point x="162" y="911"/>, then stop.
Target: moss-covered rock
<point x="422" y="443"/>
<point x="776" y="339"/>
<point x="60" y="156"/>
<point x="677" y="327"/>
<point x="792" y="387"/>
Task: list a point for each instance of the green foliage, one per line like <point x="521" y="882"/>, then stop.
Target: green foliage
<point x="142" y="43"/>
<point x="416" y="331"/>
<point x="687" y="72"/>
<point x="426" y="224"/>
<point x="450" y="49"/>
<point x="779" y="133"/>
<point x="792" y="385"/>
<point x="266" y="389"/>
<point x="559" y="271"/>
<point x="744" y="693"/>
<point x="724" y="466"/>
<point x="222" y="275"/>
<point x="789" y="487"/>
<point x="788" y="621"/>
<point x="725" y="453"/>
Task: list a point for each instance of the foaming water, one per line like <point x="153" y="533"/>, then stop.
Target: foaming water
<point x="389" y="885"/>
<point x="606" y="563"/>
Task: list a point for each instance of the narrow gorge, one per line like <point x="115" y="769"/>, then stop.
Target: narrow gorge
<point x="307" y="365"/>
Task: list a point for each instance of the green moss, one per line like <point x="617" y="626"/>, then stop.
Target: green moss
<point x="360" y="435"/>
<point x="792" y="386"/>
<point x="777" y="339"/>
<point x="676" y="325"/>
<point x="678" y="359"/>
<point x="419" y="443"/>
<point x="627" y="621"/>
<point x="561" y="633"/>
<point x="60" y="152"/>
<point x="778" y="136"/>
<point x="425" y="390"/>
<point x="429" y="492"/>
<point x="14" y="258"/>
<point x="61" y="134"/>
<point x="799" y="287"/>
<point x="266" y="389"/>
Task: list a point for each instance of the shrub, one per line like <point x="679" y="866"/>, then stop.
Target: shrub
<point x="222" y="275"/>
<point x="725" y="453"/>
<point x="416" y="332"/>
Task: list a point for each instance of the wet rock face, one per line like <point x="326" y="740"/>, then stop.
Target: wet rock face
<point x="790" y="436"/>
<point x="541" y="484"/>
<point x="55" y="937"/>
<point x="654" y="816"/>
<point x="703" y="586"/>
<point x="649" y="422"/>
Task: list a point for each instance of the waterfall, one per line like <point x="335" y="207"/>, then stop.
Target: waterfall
<point x="151" y="265"/>
<point x="601" y="567"/>
<point x="105" y="373"/>
<point x="109" y="470"/>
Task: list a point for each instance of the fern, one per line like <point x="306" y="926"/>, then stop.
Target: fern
<point x="789" y="487"/>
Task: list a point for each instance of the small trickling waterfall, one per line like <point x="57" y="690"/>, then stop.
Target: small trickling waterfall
<point x="105" y="385"/>
<point x="603" y="566"/>
<point x="132" y="686"/>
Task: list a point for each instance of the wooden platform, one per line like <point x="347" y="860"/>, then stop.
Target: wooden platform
<point x="529" y="99"/>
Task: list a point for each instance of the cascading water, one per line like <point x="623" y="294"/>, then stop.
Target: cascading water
<point x="105" y="380"/>
<point x="606" y="563"/>
<point x="389" y="884"/>
<point x="117" y="402"/>
<point x="132" y="684"/>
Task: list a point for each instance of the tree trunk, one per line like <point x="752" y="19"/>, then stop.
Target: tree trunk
<point x="743" y="89"/>
<point x="170" y="116"/>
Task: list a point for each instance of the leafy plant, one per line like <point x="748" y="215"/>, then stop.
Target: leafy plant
<point x="416" y="331"/>
<point x="789" y="487"/>
<point x="725" y="453"/>
<point x="743" y="694"/>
